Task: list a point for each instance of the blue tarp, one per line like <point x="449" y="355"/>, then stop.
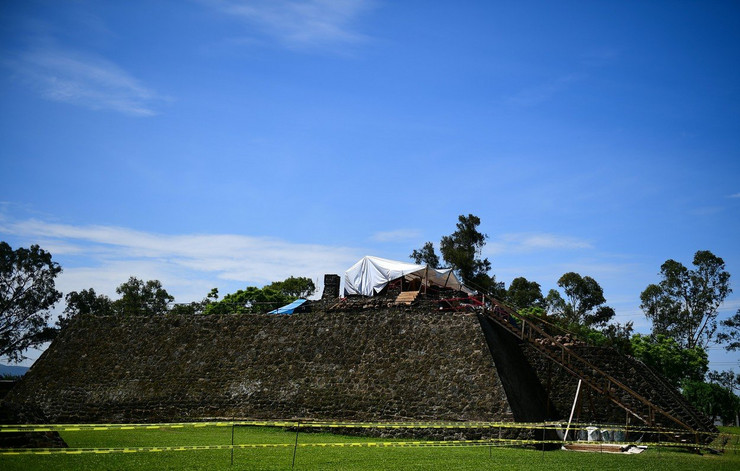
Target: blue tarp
<point x="288" y="309"/>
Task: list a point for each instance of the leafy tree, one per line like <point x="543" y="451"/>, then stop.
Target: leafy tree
<point x="84" y="302"/>
<point x="712" y="399"/>
<point x="727" y="379"/>
<point x="585" y="315"/>
<point x="667" y="357"/>
<point x="251" y="299"/>
<point x="294" y="287"/>
<point x="426" y="256"/>
<point x="523" y="293"/>
<point x="554" y="302"/>
<point x="618" y="336"/>
<point x="196" y="307"/>
<point x="684" y="303"/>
<point x="584" y="304"/>
<point x="142" y="298"/>
<point x="27" y="293"/>
<point x="730" y="334"/>
<point x="462" y="249"/>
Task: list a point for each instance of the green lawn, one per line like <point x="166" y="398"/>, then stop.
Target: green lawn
<point x="314" y="458"/>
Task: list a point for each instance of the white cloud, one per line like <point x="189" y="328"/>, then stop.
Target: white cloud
<point x="189" y="265"/>
<point x="300" y="23"/>
<point x="736" y="195"/>
<point x="396" y="235"/>
<point x="83" y="80"/>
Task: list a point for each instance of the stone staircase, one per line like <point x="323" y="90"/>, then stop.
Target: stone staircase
<point x="625" y="381"/>
<point x="406" y="297"/>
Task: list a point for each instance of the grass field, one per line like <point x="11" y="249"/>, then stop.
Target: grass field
<point x="346" y="458"/>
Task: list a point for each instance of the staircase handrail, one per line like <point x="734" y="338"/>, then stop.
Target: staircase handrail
<point x="526" y="323"/>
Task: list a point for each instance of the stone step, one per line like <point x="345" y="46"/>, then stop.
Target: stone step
<point x="407" y="297"/>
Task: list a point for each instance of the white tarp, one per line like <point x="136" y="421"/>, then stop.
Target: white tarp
<point x="371" y="274"/>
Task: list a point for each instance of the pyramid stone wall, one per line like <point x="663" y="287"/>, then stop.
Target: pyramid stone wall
<point x="376" y="365"/>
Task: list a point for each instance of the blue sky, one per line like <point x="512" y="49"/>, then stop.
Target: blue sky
<point x="231" y="143"/>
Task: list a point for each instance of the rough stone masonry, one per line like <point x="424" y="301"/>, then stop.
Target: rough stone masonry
<point x="376" y="365"/>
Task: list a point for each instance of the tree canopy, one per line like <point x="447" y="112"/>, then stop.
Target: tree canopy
<point x="84" y="302"/>
<point x="250" y="299"/>
<point x="294" y="287"/>
<point x="523" y="293"/>
<point x="260" y="300"/>
<point x="730" y="334"/>
<point x="684" y="304"/>
<point x="664" y="355"/>
<point x="712" y="399"/>
<point x="584" y="303"/>
<point x="27" y="293"/>
<point x="426" y="256"/>
<point x="462" y="251"/>
<point x="142" y="298"/>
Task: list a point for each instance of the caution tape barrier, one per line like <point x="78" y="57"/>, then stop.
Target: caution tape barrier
<point x="339" y="425"/>
<point x="296" y="424"/>
<point x="390" y="444"/>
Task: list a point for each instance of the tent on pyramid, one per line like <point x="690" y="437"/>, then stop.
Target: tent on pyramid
<point x="371" y="275"/>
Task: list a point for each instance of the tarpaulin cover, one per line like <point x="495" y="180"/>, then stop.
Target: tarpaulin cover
<point x="371" y="274"/>
<point x="289" y="308"/>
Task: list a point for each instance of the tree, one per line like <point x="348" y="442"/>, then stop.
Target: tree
<point x="250" y="299"/>
<point x="426" y="256"/>
<point x="554" y="302"/>
<point x="584" y="304"/>
<point x="712" y="399"/>
<point x="84" y="302"/>
<point x="523" y="293"/>
<point x="27" y="293"/>
<point x="141" y="298"/>
<point x="462" y="249"/>
<point x="730" y="334"/>
<point x="664" y="355"/>
<point x="684" y="303"/>
<point x="294" y="287"/>
<point x="727" y="379"/>
<point x="196" y="307"/>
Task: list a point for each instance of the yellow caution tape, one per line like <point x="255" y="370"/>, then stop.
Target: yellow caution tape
<point x="336" y="424"/>
<point x="390" y="444"/>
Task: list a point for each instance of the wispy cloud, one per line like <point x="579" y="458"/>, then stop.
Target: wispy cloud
<point x="83" y="80"/>
<point x="736" y="195"/>
<point x="300" y="23"/>
<point x="104" y="256"/>
<point x="532" y="242"/>
<point x="396" y="235"/>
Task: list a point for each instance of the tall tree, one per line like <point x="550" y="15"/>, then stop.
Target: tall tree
<point x="664" y="355"/>
<point x="523" y="293"/>
<point x="712" y="399"/>
<point x="730" y="334"/>
<point x="727" y="379"/>
<point x="249" y="300"/>
<point x="426" y="256"/>
<point x="684" y="304"/>
<point x="142" y="298"/>
<point x="84" y="302"/>
<point x="462" y="251"/>
<point x="584" y="303"/>
<point x="294" y="287"/>
<point x="27" y="293"/>
<point x="196" y="307"/>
